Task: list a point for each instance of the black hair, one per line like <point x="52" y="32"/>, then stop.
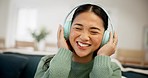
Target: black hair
<point x="93" y="8"/>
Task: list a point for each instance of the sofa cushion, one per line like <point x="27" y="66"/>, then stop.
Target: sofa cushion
<point x="31" y="66"/>
<point x="11" y="66"/>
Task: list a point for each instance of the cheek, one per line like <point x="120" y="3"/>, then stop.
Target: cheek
<point x="73" y="35"/>
<point x="97" y="41"/>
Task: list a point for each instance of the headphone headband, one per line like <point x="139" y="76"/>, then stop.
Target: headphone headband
<point x="70" y="13"/>
<point x="109" y="18"/>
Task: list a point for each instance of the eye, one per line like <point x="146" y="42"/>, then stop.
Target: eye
<point x="77" y="28"/>
<point x="94" y="32"/>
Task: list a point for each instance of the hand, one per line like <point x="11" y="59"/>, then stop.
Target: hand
<point x="109" y="48"/>
<point x="61" y="40"/>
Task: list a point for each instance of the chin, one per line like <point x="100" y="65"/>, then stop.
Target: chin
<point x="82" y="54"/>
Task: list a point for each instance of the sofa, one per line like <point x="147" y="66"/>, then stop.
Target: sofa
<point x="17" y="65"/>
<point x="135" y="71"/>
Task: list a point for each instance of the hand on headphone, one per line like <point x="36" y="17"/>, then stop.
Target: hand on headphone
<point x="61" y="40"/>
<point x="109" y="48"/>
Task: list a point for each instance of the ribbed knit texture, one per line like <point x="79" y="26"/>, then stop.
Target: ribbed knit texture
<point x="102" y="65"/>
<point x="60" y="67"/>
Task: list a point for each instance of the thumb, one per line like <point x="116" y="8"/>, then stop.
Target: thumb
<point x="62" y="31"/>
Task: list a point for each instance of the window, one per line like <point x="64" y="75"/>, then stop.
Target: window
<point x="27" y="19"/>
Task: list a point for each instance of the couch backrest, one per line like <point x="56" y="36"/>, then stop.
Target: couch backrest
<point x="31" y="66"/>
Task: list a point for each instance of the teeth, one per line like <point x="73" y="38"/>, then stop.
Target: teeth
<point x="83" y="45"/>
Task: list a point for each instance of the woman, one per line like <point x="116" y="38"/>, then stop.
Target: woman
<point x="81" y="55"/>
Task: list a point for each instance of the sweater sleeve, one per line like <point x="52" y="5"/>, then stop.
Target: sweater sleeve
<point x="59" y="66"/>
<point x="104" y="68"/>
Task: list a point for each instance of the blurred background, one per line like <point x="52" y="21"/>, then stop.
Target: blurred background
<point x="20" y="18"/>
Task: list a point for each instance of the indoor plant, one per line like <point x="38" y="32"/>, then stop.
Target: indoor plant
<point x="39" y="35"/>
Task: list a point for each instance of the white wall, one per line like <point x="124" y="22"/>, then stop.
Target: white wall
<point x="4" y="6"/>
<point x="128" y="16"/>
<point x="133" y="16"/>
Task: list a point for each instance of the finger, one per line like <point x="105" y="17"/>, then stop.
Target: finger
<point x="111" y="37"/>
<point x="62" y="32"/>
<point x="59" y="30"/>
<point x="58" y="36"/>
<point x="115" y="39"/>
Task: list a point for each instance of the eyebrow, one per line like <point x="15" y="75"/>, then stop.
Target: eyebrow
<point x="78" y="24"/>
<point x="90" y="27"/>
<point x="95" y="28"/>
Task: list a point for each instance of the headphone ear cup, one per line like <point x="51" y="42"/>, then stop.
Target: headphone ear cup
<point x="67" y="27"/>
<point x="105" y="39"/>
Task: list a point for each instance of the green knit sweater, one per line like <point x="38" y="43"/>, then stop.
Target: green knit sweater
<point x="62" y="66"/>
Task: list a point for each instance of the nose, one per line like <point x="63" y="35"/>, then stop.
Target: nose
<point x="84" y="36"/>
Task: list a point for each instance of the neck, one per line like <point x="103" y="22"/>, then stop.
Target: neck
<point x="85" y="59"/>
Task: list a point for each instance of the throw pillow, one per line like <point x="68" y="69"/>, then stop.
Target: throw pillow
<point x="11" y="65"/>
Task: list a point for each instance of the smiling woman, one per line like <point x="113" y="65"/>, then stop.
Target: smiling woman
<point x="81" y="54"/>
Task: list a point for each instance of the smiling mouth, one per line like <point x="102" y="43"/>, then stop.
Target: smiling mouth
<point x="83" y="44"/>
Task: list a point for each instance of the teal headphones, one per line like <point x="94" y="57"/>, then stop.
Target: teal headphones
<point x="67" y="27"/>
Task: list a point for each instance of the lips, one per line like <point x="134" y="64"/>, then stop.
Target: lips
<point x="83" y="45"/>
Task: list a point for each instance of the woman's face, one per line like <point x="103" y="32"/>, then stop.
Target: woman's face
<point x="86" y="34"/>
